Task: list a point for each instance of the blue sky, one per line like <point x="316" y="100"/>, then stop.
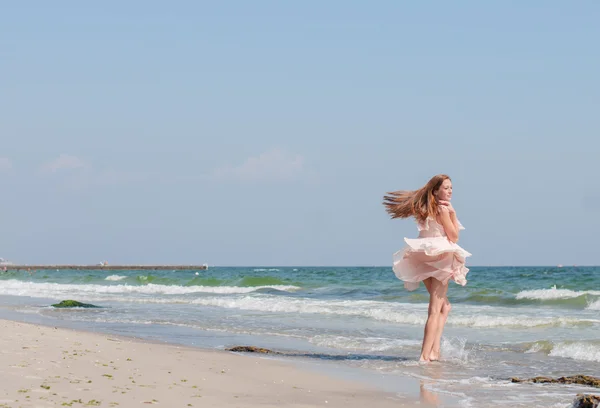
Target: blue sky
<point x="267" y="132"/>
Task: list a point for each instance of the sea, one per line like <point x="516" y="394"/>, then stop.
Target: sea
<point x="358" y="322"/>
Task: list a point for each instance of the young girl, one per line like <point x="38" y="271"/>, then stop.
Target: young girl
<point x="434" y="257"/>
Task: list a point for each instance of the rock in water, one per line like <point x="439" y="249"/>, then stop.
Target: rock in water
<point x="251" y="349"/>
<point x="72" y="303"/>
<point x="573" y="379"/>
<point x="586" y="401"/>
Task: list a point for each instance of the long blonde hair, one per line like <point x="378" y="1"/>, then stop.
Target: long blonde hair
<point x="419" y="203"/>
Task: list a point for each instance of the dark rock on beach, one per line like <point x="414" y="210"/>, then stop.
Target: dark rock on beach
<point x="251" y="349"/>
<point x="573" y="379"/>
<point x="73" y="303"/>
<point x="586" y="401"/>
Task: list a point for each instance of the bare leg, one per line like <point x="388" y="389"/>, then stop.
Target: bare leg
<point x="446" y="307"/>
<point x="436" y="300"/>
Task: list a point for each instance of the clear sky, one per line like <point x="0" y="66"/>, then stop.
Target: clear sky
<point x="266" y="132"/>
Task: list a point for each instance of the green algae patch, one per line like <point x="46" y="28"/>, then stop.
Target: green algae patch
<point x="73" y="303"/>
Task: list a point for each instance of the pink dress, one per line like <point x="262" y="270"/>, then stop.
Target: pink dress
<point x="432" y="254"/>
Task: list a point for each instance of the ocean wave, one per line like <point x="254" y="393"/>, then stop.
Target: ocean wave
<point x="562" y="298"/>
<point x="51" y="290"/>
<point x="115" y="278"/>
<point x="254" y="299"/>
<point x="576" y="350"/>
<point x="368" y="344"/>
<point x="554" y="293"/>
<point x="389" y="312"/>
<point x="594" y="305"/>
<point x="401" y="313"/>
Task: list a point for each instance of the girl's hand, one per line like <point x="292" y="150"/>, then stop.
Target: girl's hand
<point x="447" y="205"/>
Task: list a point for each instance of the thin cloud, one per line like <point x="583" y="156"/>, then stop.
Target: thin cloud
<point x="5" y="164"/>
<point x="272" y="165"/>
<point x="64" y="162"/>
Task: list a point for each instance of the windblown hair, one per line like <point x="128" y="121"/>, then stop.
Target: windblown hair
<point x="419" y="203"/>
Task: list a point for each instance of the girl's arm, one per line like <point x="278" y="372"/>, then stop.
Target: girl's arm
<point x="454" y="220"/>
<point x="450" y="223"/>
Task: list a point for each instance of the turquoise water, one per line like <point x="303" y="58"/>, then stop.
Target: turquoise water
<point x="507" y="321"/>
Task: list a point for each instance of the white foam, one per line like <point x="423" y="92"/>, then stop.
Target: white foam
<point x="50" y="290"/>
<point x="362" y="343"/>
<point x="553" y="293"/>
<point x="361" y="308"/>
<point x="536" y="347"/>
<point x="576" y="350"/>
<point x="455" y="349"/>
<point x="475" y="380"/>
<point x="516" y="321"/>
<point x="115" y="278"/>
<point x="402" y="313"/>
<point x="594" y="305"/>
<point x="584" y="351"/>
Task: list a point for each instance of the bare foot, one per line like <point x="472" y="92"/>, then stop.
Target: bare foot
<point x="433" y="356"/>
<point x="423" y="359"/>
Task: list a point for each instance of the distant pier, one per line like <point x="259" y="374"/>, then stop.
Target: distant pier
<point x="105" y="267"/>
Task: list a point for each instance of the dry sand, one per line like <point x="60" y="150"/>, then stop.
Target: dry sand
<point x="44" y="366"/>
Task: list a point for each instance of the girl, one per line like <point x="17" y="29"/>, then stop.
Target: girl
<point x="433" y="257"/>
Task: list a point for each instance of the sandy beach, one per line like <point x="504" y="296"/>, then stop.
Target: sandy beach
<point x="46" y="367"/>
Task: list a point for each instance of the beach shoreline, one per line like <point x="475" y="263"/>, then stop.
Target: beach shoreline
<point x="353" y="325"/>
<point x="47" y="366"/>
